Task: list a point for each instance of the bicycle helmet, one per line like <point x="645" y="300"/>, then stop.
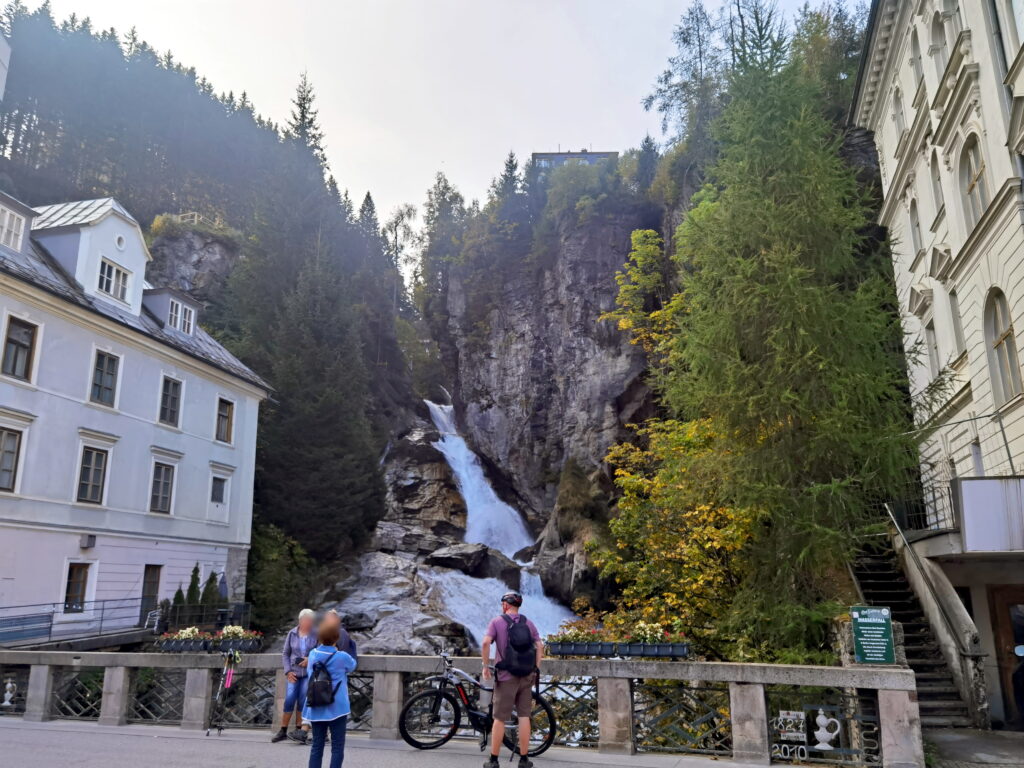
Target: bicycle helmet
<point x="512" y="598"/>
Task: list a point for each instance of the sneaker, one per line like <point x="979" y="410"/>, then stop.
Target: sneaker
<point x="298" y="735"/>
<point x="525" y="762"/>
<point x="281" y="735"/>
<point x="492" y="763"/>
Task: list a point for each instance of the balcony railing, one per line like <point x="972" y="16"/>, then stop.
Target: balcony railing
<point x="52" y="622"/>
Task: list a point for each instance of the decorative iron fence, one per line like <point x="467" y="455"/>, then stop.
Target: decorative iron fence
<point x="360" y="696"/>
<point x="823" y="725"/>
<point x="156" y="696"/>
<point x="677" y="716"/>
<point x="77" y="693"/>
<point x="13" y="686"/>
<point x="574" y="700"/>
<point x="249" y="702"/>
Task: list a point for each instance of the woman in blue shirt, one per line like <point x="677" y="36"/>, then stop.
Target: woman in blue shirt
<point x="334" y="716"/>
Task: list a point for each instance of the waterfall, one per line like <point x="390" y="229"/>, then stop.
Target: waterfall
<point x="474" y="602"/>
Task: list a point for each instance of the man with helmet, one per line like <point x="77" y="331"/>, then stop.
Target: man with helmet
<point x="518" y="650"/>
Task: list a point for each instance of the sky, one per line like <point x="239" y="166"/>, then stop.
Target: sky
<point x="407" y="88"/>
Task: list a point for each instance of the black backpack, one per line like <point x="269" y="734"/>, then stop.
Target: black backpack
<point x="519" y="657"/>
<point x="322" y="689"/>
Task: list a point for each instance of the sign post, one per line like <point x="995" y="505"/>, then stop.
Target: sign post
<point x="872" y="635"/>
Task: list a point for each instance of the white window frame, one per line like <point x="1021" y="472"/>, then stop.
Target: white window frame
<point x="119" y="278"/>
<point x="1001" y="347"/>
<point x="219" y="513"/>
<point x="234" y="419"/>
<point x="14" y="234"/>
<point x="188" y="319"/>
<point x="181" y="316"/>
<point x="100" y="441"/>
<point x="170" y="458"/>
<point x="91" y="584"/>
<point x="181" y="400"/>
<point x="18" y="421"/>
<point x="36" y="346"/>
<point x="174" y="313"/>
<point x="973" y="182"/>
<point x="96" y="349"/>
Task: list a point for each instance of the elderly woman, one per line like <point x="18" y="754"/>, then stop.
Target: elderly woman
<point x="300" y="641"/>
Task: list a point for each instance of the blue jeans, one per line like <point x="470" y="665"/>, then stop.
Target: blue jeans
<point x="316" y="752"/>
<point x="295" y="694"/>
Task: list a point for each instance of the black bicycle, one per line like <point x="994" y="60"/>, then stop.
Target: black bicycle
<point x="432" y="717"/>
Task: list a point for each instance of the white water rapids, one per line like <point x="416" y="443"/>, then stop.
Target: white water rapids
<point x="474" y="602"/>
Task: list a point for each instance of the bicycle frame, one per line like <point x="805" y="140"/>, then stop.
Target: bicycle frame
<point x="457" y="679"/>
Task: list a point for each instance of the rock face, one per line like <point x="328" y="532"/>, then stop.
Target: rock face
<point x="391" y="600"/>
<point x="548" y="379"/>
<point x="193" y="261"/>
<point x="543" y="379"/>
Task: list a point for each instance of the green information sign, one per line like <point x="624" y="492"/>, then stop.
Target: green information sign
<point x="872" y="635"/>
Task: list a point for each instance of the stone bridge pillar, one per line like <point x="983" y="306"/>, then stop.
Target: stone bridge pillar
<point x="195" y="712"/>
<point x="899" y="720"/>
<point x="749" y="715"/>
<point x="39" y="697"/>
<point x="388" y="698"/>
<point x="114" y="705"/>
<point x="615" y="715"/>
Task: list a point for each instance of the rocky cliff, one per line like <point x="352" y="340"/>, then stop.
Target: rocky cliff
<point x="193" y="260"/>
<point x="542" y="379"/>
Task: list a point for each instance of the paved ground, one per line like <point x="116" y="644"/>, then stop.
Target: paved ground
<point x="967" y="747"/>
<point x="66" y="744"/>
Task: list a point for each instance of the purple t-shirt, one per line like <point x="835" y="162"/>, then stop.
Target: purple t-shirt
<point x="497" y="630"/>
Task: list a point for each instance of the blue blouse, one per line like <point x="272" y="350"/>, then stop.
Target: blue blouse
<point x="338" y="664"/>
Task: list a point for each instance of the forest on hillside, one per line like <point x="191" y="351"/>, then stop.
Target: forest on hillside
<point x="757" y="287"/>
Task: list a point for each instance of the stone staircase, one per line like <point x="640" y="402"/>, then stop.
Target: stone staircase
<point x="883" y="583"/>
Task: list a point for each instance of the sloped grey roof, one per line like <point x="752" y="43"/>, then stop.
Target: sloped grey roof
<point x="77" y="213"/>
<point x="37" y="267"/>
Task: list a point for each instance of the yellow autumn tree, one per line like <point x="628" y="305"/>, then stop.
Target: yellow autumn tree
<point x="677" y="548"/>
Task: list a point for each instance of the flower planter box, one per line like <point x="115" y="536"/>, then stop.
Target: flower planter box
<point x="179" y="645"/>
<point x="656" y="650"/>
<point x="602" y="649"/>
<point x="240" y="644"/>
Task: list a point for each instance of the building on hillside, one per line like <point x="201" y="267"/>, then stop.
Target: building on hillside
<point x="548" y="160"/>
<point x="941" y="86"/>
<point x="127" y="433"/>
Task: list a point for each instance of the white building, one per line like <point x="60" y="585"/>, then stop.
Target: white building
<point x="942" y="88"/>
<point x="127" y="434"/>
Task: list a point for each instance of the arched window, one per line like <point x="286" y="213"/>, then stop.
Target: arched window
<point x="1004" y="366"/>
<point x="939" y="48"/>
<point x="897" y="113"/>
<point x="915" y="228"/>
<point x="936" y="184"/>
<point x="972" y="181"/>
<point x="915" y="58"/>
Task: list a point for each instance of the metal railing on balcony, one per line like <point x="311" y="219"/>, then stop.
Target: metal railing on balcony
<point x="947" y="452"/>
<point x="74" y="620"/>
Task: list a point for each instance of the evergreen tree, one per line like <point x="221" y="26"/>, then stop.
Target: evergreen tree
<point x="210" y="597"/>
<point x="194" y="593"/>
<point x="304" y="123"/>
<point x="646" y="163"/>
<point x="179" y="597"/>
<point x="318" y="427"/>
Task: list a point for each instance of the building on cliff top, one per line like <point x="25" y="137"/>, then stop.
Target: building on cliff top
<point x="942" y="87"/>
<point x="127" y="433"/>
<point x="546" y="160"/>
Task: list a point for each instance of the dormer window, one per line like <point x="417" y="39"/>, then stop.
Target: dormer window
<point x="113" y="280"/>
<point x="12" y="226"/>
<point x="180" y="316"/>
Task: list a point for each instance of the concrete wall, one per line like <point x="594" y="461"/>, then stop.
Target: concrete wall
<point x="56" y="418"/>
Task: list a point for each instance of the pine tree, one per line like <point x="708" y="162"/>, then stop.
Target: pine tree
<point x="179" y="597"/>
<point x="304" y="123"/>
<point x="210" y="597"/>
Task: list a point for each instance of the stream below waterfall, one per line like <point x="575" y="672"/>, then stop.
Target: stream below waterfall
<point x="471" y="601"/>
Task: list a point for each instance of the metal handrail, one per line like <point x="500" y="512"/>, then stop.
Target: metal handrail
<point x="961" y="648"/>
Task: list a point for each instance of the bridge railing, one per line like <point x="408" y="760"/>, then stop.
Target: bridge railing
<point x="762" y="713"/>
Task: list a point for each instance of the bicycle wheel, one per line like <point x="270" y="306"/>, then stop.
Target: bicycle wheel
<point x="430" y="719"/>
<point x="542" y="728"/>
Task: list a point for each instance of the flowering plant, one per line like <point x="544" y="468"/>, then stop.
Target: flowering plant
<point x="236" y="632"/>
<point x="648" y="632"/>
<point x="187" y="633"/>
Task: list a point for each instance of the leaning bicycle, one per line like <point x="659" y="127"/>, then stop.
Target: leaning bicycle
<point x="432" y="717"/>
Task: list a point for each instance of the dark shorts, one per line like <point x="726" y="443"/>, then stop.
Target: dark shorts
<point x="513" y="694"/>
